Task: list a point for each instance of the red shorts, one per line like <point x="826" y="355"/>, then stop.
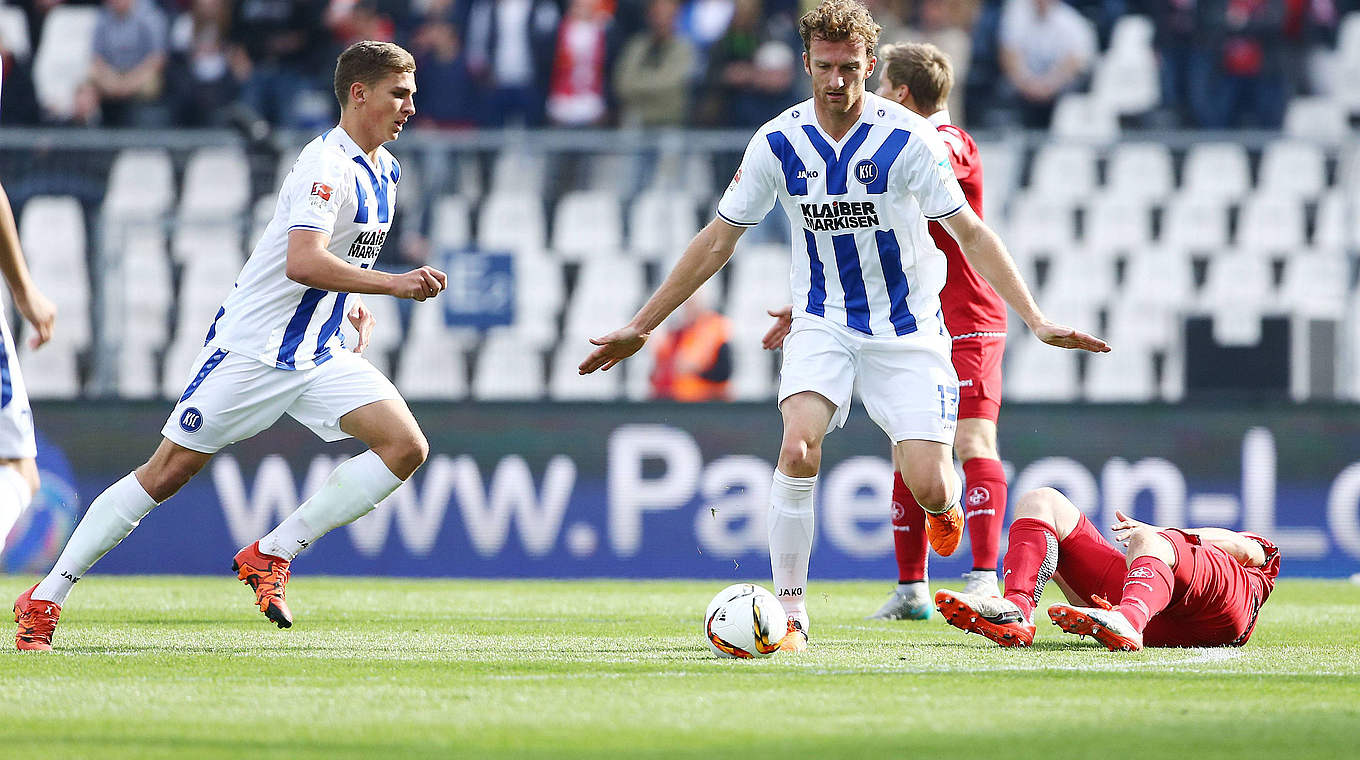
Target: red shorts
<point x="977" y="361"/>
<point x="1213" y="603"/>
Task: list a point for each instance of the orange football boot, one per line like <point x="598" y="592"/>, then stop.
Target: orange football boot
<point x="996" y="618"/>
<point x="945" y="530"/>
<point x="37" y="620"/>
<point x="268" y="576"/>
<point x="795" y="640"/>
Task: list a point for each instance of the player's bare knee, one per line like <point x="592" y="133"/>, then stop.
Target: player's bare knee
<point x="799" y="457"/>
<point x="1039" y="504"/>
<point x="974" y="445"/>
<point x="1148" y="542"/>
<point x="404" y="455"/>
<point x="932" y="493"/>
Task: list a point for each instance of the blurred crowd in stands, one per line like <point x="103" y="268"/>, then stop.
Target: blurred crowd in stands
<point x="719" y="63"/>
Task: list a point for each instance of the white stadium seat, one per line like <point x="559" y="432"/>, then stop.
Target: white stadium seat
<point x="1125" y="375"/>
<point x="138" y="375"/>
<point x="436" y="373"/>
<point x="62" y="61"/>
<point x="216" y="185"/>
<point x="1336" y="223"/>
<point x="1063" y="171"/>
<point x="566" y="384"/>
<point x="1088" y="117"/>
<point x="1292" y="168"/>
<point x="511" y="222"/>
<point x="451" y="223"/>
<point x="1271" y="224"/>
<point x="519" y="171"/>
<point x="659" y="224"/>
<point x="1115" y="222"/>
<point x="755" y="371"/>
<point x="52" y="232"/>
<point x="262" y="212"/>
<point x="1132" y="32"/>
<point x="509" y="369"/>
<point x="1001" y="164"/>
<point x="178" y="363"/>
<point x="1038" y="222"/>
<point x="1315" y="285"/>
<point x="586" y="224"/>
<point x="1348" y="61"/>
<point x="1159" y="278"/>
<point x="1140" y="170"/>
<point x="141" y="186"/>
<point x="14" y="32"/>
<point x="759" y="281"/>
<point x="50" y="372"/>
<point x="1195" y="222"/>
<point x="1079" y="276"/>
<point x="1216" y="170"/>
<point x="1035" y="371"/>
<point x="1127" y="80"/>
<point x="1238" y="291"/>
<point x="1317" y="118"/>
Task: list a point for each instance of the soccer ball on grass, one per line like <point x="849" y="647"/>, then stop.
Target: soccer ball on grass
<point x="744" y="621"/>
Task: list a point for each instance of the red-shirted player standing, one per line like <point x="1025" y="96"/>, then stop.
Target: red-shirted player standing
<point x="1171" y="587"/>
<point x="919" y="76"/>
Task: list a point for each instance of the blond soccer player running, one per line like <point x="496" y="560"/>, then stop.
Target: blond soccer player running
<point x="866" y="313"/>
<point x="275" y="349"/>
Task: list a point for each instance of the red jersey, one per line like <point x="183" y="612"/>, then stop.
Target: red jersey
<point x="970" y="305"/>
<point x="1216" y="599"/>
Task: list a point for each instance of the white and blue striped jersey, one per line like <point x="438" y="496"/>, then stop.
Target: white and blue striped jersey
<point x="332" y="188"/>
<point x="864" y="258"/>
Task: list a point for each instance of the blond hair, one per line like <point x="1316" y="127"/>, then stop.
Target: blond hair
<point x="923" y="68"/>
<point x="839" y="20"/>
<point x="368" y="62"/>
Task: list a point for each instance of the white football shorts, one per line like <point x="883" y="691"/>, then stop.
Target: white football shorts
<point x="907" y="383"/>
<point x="17" y="440"/>
<point x="231" y="397"/>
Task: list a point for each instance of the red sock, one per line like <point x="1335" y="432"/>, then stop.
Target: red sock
<point x="1031" y="559"/>
<point x="909" y="533"/>
<point x="1147" y="590"/>
<point x="984" y="508"/>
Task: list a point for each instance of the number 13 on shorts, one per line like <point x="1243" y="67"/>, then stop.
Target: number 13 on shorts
<point x="949" y="403"/>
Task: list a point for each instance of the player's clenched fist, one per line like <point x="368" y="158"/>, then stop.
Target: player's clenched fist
<point x="419" y="284"/>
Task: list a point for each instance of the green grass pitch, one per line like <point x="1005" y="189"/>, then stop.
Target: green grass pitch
<point x="174" y="667"/>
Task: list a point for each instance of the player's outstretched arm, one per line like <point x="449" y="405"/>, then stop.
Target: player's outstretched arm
<point x="988" y="254"/>
<point x="783" y="325"/>
<point x="310" y="264"/>
<point x="704" y="256"/>
<point x="35" y="307"/>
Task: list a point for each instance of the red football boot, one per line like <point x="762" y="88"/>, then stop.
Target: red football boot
<point x="37" y="620"/>
<point x="268" y="576"/>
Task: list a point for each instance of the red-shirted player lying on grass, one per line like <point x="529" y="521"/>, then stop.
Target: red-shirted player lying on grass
<point x="1170" y="587"/>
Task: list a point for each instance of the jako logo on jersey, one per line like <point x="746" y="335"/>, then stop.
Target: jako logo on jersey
<point x="1141" y="572"/>
<point x="807" y="174"/>
<point x="322" y="191"/>
<point x="978" y="495"/>
<point x="839" y="215"/>
<point x="866" y="171"/>
<point x="191" y="420"/>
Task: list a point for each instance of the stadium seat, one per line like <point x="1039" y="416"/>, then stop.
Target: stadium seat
<point x="755" y="371"/>
<point x="1126" y="81"/>
<point x="586" y="224"/>
<point x="511" y="222"/>
<point x="1001" y="165"/>
<point x="1038" y="221"/>
<point x="1317" y="118"/>
<point x="62" y="61"/>
<point x="1063" y="171"/>
<point x="1136" y="322"/>
<point x="1348" y="61"/>
<point x="1271" y="224"/>
<point x="216" y="185"/>
<point x="1090" y="117"/>
<point x="146" y="290"/>
<point x="387" y="332"/>
<point x="1195" y="222"/>
<point x="429" y="327"/>
<point x="1292" y="168"/>
<point x="138" y="375"/>
<point x="611" y="173"/>
<point x="1038" y="372"/>
<point x="1140" y="171"/>
<point x="1336" y="224"/>
<point x="52" y="232"/>
<point x="178" y="363"/>
<point x="1079" y="276"/>
<point x="1116" y="222"/>
<point x="1159" y="277"/>
<point x="1216" y="170"/>
<point x="1132" y="32"/>
<point x="262" y="212"/>
<point x="439" y="372"/>
<point x="14" y="32"/>
<point x="759" y="281"/>
<point x="451" y="223"/>
<point x="141" y="186"/>
<point x="565" y="383"/>
<point x="1315" y="285"/>
<point x="637" y="375"/>
<point x="1238" y="291"/>
<point x="660" y="224"/>
<point x="509" y="369"/>
<point x="1125" y="375"/>
<point x="50" y="372"/>
<point x="607" y="293"/>
<point x="519" y="171"/>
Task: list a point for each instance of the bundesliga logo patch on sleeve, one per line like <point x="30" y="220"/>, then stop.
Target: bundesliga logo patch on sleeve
<point x="321" y="191"/>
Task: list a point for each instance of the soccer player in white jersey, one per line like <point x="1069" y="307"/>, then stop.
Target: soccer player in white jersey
<point x="18" y="445"/>
<point x="861" y="175"/>
<point x="274" y="348"/>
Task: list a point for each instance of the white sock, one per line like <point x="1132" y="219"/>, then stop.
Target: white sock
<point x="110" y="518"/>
<point x="15" y="496"/>
<point x="956" y="490"/>
<point x="909" y="588"/>
<point x="352" y="491"/>
<point x="790" y="530"/>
